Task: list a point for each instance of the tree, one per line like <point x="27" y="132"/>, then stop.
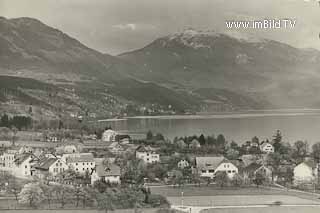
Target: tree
<point x="237" y="180"/>
<point x="275" y="159"/>
<point x="48" y="192"/>
<point x="316" y="151"/>
<point x="149" y="135"/>
<point x="14" y="187"/>
<point x="105" y="201"/>
<point x="63" y="194"/>
<point x="221" y="179"/>
<point x="31" y="194"/>
<point x="232" y="154"/>
<point x="277" y="139"/>
<point x="177" y="177"/>
<point x="202" y="140"/>
<point x="14" y="135"/>
<point x="300" y="151"/>
<point x="259" y="179"/>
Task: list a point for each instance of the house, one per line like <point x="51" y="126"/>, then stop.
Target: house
<point x="250" y="172"/>
<point x="147" y="154"/>
<point x="69" y="148"/>
<point x="109" y="173"/>
<point x="80" y="162"/>
<point x="183" y="164"/>
<point x="116" y="148"/>
<point x="305" y="172"/>
<point x="267" y="148"/>
<point x="23" y="165"/>
<point x="209" y="166"/>
<point x="7" y="159"/>
<point x="195" y="144"/>
<point x="53" y="166"/>
<point x="109" y="135"/>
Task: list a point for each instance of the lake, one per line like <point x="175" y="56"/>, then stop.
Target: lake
<point x="294" y="125"/>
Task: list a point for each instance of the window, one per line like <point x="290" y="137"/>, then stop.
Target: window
<point x="77" y="169"/>
<point x="83" y="169"/>
<point x="76" y="164"/>
<point x="26" y="166"/>
<point x="229" y="171"/>
<point x="203" y="171"/>
<point x="82" y="163"/>
<point x="91" y="164"/>
<point x="211" y="170"/>
<point x="233" y="171"/>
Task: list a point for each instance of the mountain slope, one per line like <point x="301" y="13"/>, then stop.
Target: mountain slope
<point x="87" y="80"/>
<point x="267" y="71"/>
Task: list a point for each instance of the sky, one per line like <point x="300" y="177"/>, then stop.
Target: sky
<point x="116" y="26"/>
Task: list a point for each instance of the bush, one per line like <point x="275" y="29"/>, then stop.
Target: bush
<point x="156" y="201"/>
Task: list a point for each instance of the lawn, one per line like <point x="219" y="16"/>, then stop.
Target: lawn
<point x="78" y="211"/>
<point x="205" y="195"/>
<point x="239" y="200"/>
<point x="278" y="209"/>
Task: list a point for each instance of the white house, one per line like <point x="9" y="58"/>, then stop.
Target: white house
<point x="23" y="165"/>
<point x="209" y="166"/>
<point x="147" y="154"/>
<point x="250" y="171"/>
<point x="7" y="159"/>
<point x="109" y="135"/>
<point x="80" y="162"/>
<point x="183" y="164"/>
<point x="110" y="174"/>
<point x="305" y="172"/>
<point x="53" y="166"/>
<point x="267" y="148"/>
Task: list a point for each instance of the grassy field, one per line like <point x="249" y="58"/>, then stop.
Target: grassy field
<point x="277" y="209"/>
<point x="212" y="190"/>
<point x="78" y="211"/>
<point x="205" y="195"/>
<point x="240" y="200"/>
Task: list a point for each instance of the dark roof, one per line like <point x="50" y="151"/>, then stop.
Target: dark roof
<point x="209" y="162"/>
<point x="252" y="167"/>
<point x="46" y="163"/>
<point x="21" y="158"/>
<point x="311" y="163"/>
<point x="144" y="149"/>
<point x="109" y="170"/>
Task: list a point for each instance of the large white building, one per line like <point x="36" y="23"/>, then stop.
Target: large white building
<point x="305" y="172"/>
<point x="267" y="148"/>
<point x="80" y="162"/>
<point x="147" y="154"/>
<point x="109" y="135"/>
<point x="209" y="166"/>
<point x="109" y="173"/>
<point x="53" y="166"/>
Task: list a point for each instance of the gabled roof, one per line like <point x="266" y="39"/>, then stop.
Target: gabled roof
<point x="210" y="162"/>
<point x="109" y="170"/>
<point x="252" y="167"/>
<point x="265" y="144"/>
<point x="144" y="149"/>
<point x="82" y="157"/>
<point x="311" y="163"/>
<point x="46" y="163"/>
<point x="21" y="158"/>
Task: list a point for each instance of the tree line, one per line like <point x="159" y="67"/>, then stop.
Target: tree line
<point x="19" y="121"/>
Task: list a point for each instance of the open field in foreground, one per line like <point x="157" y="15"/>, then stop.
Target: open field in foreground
<point x="78" y="211"/>
<point x="276" y="209"/>
<point x="239" y="200"/>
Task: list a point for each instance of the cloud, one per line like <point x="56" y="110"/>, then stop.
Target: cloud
<point x="128" y="26"/>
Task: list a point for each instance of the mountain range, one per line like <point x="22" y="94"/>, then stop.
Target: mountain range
<point x="192" y="71"/>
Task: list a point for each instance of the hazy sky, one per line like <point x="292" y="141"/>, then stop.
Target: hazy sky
<point x="114" y="26"/>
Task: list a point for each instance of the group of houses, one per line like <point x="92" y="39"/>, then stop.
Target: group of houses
<point x="29" y="163"/>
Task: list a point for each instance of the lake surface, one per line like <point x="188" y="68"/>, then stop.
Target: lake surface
<point x="294" y="125"/>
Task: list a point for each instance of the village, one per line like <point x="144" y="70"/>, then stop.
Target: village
<point x="120" y="161"/>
